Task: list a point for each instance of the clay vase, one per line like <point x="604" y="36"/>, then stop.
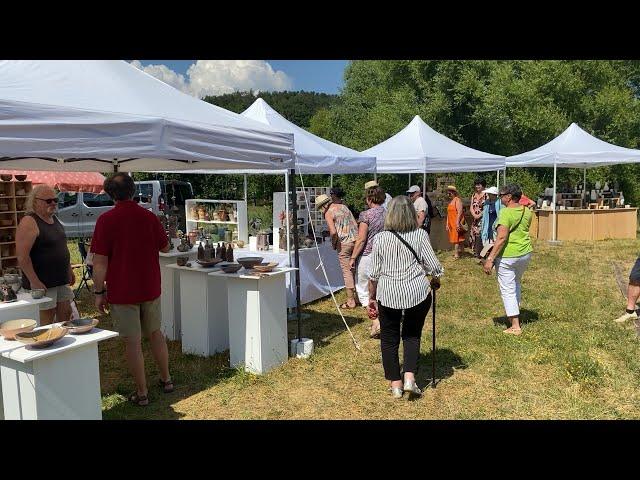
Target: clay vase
<point x="222" y="215"/>
<point x="193" y="236"/>
<point x="201" y="213"/>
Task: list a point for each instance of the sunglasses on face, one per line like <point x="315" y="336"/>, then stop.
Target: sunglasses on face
<point x="49" y="201"/>
<point x="503" y="194"/>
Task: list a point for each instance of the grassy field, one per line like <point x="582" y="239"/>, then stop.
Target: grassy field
<point x="571" y="362"/>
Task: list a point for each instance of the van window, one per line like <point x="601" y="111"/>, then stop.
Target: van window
<point x="97" y="200"/>
<point x="67" y="199"/>
<point x="144" y="193"/>
<point x="181" y="191"/>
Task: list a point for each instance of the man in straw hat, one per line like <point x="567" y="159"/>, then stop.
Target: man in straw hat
<point x="344" y="231"/>
<point x="373" y="183"/>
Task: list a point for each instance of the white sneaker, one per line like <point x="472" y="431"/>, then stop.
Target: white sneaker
<point x="626" y="317"/>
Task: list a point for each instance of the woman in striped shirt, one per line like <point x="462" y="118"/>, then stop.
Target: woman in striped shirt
<point x="398" y="283"/>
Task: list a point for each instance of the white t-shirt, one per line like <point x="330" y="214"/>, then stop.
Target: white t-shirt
<point x="387" y="199"/>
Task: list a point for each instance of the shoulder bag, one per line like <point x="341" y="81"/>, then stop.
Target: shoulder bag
<point x="487" y="249"/>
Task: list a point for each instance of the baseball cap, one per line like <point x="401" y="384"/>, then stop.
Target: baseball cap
<point x="413" y="188"/>
<point x="492" y="190"/>
<point x="370" y="184"/>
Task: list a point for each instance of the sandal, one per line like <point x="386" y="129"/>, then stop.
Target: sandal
<point x="167" y="387"/>
<point x="140" y="400"/>
<point x="513" y="331"/>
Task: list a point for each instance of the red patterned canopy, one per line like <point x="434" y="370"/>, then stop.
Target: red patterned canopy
<point x="64" y="181"/>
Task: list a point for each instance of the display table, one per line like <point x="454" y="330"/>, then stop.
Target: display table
<point x="25" y="307"/>
<point x="312" y="282"/>
<point x="170" y="298"/>
<point x="203" y="310"/>
<point x="257" y="319"/>
<point x="587" y="224"/>
<point x="60" y="382"/>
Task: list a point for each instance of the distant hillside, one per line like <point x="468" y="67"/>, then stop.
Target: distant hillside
<point x="297" y="107"/>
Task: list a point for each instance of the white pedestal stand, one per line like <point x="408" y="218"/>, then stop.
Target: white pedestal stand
<point x="258" y="319"/>
<point x="301" y="348"/>
<point x="60" y="382"/>
<point x="203" y="310"/>
<point x="170" y="298"/>
<point x="25" y="307"/>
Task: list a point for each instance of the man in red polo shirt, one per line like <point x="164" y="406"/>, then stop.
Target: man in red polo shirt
<point x="131" y="270"/>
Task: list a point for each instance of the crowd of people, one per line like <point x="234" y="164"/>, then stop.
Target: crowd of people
<point x="386" y="257"/>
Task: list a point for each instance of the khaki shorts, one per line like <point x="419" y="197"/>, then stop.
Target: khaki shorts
<point x="63" y="293"/>
<point x="134" y="319"/>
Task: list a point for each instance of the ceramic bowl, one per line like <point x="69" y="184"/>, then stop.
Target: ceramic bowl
<point x="265" y="267"/>
<point x="213" y="262"/>
<point x="20" y="178"/>
<point x="182" y="261"/>
<point x="37" y="293"/>
<point x="42" y="338"/>
<point x="6" y="177"/>
<point x="249" y="262"/>
<point x="231" y="267"/>
<point x="240" y="243"/>
<point x="10" y="328"/>
<point x="80" y="325"/>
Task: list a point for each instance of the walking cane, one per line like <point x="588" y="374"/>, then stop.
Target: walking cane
<point x="433" y="346"/>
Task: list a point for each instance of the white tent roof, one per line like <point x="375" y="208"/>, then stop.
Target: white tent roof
<point x="313" y="154"/>
<point x="418" y="148"/>
<point x="575" y="148"/>
<point x="85" y="114"/>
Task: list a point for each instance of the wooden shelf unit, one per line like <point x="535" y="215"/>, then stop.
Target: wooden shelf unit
<point x="238" y="206"/>
<point x="15" y="205"/>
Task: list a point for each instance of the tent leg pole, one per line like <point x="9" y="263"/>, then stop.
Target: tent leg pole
<point x="553" y="202"/>
<point x="245" y="188"/>
<point x="498" y="179"/>
<point x="375" y="176"/>
<point x="584" y="185"/>
<point x="286" y="207"/>
<point x="295" y="247"/>
<point x="409" y="182"/>
<point x="331" y="181"/>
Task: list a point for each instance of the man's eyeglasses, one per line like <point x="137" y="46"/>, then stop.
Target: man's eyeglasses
<point x="49" y="201"/>
<point x="502" y="194"/>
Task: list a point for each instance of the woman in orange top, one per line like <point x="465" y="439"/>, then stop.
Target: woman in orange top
<point x="455" y="217"/>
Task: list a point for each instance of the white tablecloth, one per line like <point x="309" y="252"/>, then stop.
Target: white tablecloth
<point x="312" y="281"/>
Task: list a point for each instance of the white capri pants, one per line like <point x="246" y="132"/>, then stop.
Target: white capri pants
<point x="362" y="279"/>
<point x="509" y="272"/>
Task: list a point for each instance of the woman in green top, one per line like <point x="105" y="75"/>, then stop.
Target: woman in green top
<point x="511" y="252"/>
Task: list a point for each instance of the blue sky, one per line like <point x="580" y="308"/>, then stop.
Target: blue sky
<point x="311" y="75"/>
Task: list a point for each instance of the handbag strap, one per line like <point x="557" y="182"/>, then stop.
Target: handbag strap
<point x="408" y="246"/>
<point x="513" y="229"/>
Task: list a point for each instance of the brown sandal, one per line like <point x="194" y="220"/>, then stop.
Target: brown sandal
<point x="345" y="306"/>
<point x="167" y="387"/>
<point x="140" y="400"/>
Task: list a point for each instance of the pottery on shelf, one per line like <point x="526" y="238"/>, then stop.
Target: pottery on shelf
<point x="182" y="260"/>
<point x="37" y="293"/>
<point x="7" y="293"/>
<point x="20" y="178"/>
<point x="249" y="262"/>
<point x="6" y="177"/>
<point x="308" y="243"/>
<point x="42" y="338"/>
<point x="240" y="243"/>
<point x="80" y="325"/>
<point x="231" y="267"/>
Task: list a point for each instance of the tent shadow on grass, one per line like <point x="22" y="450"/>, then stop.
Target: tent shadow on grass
<point x="526" y="316"/>
<point x="447" y="361"/>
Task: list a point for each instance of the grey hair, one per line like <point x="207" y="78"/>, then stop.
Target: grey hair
<point x="28" y="204"/>
<point x="401" y="215"/>
<point x="514" y="190"/>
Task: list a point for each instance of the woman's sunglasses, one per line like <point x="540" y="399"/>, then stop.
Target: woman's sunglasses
<point x="49" y="201"/>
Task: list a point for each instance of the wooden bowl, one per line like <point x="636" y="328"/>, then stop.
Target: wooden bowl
<point x="6" y="177"/>
<point x="231" y="267"/>
<point x="42" y="338"/>
<point x="80" y="325"/>
<point x="20" y="178"/>
<point x="265" y="267"/>
<point x="212" y="263"/>
<point x="249" y="262"/>
<point x="10" y="328"/>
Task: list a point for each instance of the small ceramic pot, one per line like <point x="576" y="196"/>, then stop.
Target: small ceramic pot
<point x="37" y="293"/>
<point x="20" y="178"/>
<point x="182" y="261"/>
<point x="6" y="177"/>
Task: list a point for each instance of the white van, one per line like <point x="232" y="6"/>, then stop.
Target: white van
<point x="79" y="211"/>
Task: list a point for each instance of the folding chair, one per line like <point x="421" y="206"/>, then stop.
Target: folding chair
<point x="87" y="270"/>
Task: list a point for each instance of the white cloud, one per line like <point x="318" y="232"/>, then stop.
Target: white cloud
<point x="216" y="77"/>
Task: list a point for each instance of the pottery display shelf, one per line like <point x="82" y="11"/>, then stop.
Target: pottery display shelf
<point x="240" y="222"/>
<point x="203" y="310"/>
<point x="24" y="307"/>
<point x="257" y="305"/>
<point x="60" y="382"/>
<point x="171" y="323"/>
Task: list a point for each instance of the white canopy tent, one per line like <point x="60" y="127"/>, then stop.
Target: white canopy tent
<point x="418" y="148"/>
<point x="573" y="148"/>
<point x="108" y="115"/>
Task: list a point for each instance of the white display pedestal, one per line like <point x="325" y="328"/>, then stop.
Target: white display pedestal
<point x="170" y="298"/>
<point x="203" y="310"/>
<point x="257" y="320"/>
<point x="60" y="382"/>
<point x="25" y="307"/>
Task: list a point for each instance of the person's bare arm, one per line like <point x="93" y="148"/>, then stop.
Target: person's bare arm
<point x="501" y="239"/>
<point x="26" y="235"/>
<point x="460" y="211"/>
<point x="100" y="264"/>
<point x="420" y="218"/>
<point x="330" y="224"/>
<point x="360" y="243"/>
